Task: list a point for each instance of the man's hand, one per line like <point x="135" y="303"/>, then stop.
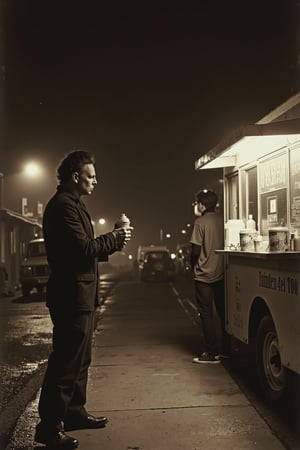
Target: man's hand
<point x="122" y="235"/>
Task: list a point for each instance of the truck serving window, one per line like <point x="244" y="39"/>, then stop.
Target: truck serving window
<point x="252" y="193"/>
<point x="233" y="196"/>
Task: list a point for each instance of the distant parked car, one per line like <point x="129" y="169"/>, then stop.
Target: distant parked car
<point x="157" y="266"/>
<point x="34" y="268"/>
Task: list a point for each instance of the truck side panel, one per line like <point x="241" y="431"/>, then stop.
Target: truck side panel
<point x="275" y="282"/>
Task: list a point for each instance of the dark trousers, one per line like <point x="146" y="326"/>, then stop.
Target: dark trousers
<point x="64" y="388"/>
<point x="208" y="294"/>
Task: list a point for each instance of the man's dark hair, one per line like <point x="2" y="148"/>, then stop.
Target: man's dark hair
<point x="73" y="162"/>
<point x="208" y="198"/>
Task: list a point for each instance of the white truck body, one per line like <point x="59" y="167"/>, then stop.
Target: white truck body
<point x="261" y="176"/>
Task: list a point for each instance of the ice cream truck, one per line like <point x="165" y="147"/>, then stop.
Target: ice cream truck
<point x="261" y="178"/>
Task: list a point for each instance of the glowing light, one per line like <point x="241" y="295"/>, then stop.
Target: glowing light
<point x="32" y="169"/>
<point x="168" y="235"/>
<point x="102" y="221"/>
<point x="173" y="256"/>
<point x="130" y="257"/>
<point x="249" y="143"/>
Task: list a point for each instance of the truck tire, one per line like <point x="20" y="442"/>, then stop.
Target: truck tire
<point x="272" y="374"/>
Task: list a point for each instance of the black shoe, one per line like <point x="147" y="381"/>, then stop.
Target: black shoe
<point x="206" y="358"/>
<point x="224" y="355"/>
<point x="85" y="422"/>
<point x="55" y="438"/>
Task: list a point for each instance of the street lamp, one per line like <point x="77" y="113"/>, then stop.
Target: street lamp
<point x="31" y="170"/>
<point x="100" y="225"/>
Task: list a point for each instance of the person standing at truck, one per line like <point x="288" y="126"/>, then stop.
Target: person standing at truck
<point x="72" y="297"/>
<point x="208" y="273"/>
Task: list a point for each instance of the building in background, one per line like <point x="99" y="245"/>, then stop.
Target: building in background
<point x="16" y="231"/>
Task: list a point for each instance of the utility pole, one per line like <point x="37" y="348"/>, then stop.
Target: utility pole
<point x="161" y="236"/>
<point x="1" y="191"/>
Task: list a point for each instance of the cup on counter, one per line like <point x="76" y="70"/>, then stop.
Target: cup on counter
<point x="278" y="239"/>
<point x="297" y="244"/>
<point x="247" y="239"/>
<point x="258" y="244"/>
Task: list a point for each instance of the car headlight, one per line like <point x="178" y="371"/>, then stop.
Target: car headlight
<point x="26" y="271"/>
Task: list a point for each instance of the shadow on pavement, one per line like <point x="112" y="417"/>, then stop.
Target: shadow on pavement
<point x="31" y="298"/>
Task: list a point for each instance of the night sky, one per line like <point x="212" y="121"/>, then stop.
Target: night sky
<point x="147" y="89"/>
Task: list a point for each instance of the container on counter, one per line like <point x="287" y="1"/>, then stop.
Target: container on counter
<point x="297" y="243"/>
<point x="258" y="243"/>
<point x="251" y="222"/>
<point x="247" y="236"/>
<point x="232" y="233"/>
<point x="278" y="239"/>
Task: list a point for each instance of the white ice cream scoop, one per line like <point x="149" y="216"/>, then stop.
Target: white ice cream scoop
<point x="123" y="221"/>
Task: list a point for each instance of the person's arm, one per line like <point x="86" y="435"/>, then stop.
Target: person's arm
<point x="83" y="246"/>
<point x="195" y="253"/>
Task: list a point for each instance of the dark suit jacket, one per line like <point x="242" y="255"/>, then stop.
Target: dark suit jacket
<point x="73" y="253"/>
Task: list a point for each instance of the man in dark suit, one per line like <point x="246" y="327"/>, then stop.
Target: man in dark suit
<point x="72" y="296"/>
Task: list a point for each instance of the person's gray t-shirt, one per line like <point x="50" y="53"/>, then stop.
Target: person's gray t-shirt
<point x="208" y="233"/>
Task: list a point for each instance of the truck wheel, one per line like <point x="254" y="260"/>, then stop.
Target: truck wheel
<point x="26" y="290"/>
<point x="271" y="373"/>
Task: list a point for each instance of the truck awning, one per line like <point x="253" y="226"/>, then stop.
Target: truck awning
<point x="249" y="142"/>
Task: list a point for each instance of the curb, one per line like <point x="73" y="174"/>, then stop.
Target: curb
<point x="17" y="405"/>
<point x="10" y="414"/>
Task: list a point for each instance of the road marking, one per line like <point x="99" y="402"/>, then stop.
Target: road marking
<point x="183" y="306"/>
<point x="175" y="291"/>
<point x="192" y="305"/>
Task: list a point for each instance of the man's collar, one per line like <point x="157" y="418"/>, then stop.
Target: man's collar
<point x="68" y="193"/>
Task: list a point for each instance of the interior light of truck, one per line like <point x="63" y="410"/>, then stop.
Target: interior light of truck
<point x="244" y="150"/>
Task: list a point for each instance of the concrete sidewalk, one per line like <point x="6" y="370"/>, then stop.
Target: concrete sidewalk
<point x="142" y="377"/>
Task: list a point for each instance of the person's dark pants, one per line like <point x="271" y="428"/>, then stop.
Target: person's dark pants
<point x="208" y="294"/>
<point x="64" y="388"/>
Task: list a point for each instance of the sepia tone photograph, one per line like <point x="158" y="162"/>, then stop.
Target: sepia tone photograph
<point x="150" y="225"/>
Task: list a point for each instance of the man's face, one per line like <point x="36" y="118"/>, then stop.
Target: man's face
<point x="86" y="179"/>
